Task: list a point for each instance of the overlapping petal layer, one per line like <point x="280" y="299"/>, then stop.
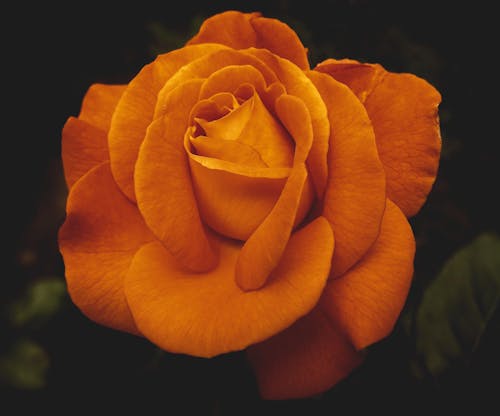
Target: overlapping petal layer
<point x="404" y="112"/>
<point x="98" y="240"/>
<point x="135" y="111"/>
<point x="206" y="316"/>
<point x="365" y="302"/>
<point x="305" y="359"/>
<point x="355" y="197"/>
<point x="245" y="30"/>
<point x="163" y="185"/>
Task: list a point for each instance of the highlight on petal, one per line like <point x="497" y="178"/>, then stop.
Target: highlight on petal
<point x="183" y="313"/>
<point x="135" y="111"/>
<point x="99" y="105"/>
<point x="83" y="147"/>
<point x="404" y="112"/>
<point x="98" y="239"/>
<point x="244" y="30"/>
<point x="163" y="184"/>
<point x="305" y="359"/>
<point x="365" y="303"/>
<point x="354" y="202"/>
<point x="298" y="84"/>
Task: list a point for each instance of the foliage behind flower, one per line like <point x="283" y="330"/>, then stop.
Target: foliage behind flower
<point x="229" y="197"/>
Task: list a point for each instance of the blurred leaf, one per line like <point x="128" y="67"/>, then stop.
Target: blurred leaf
<point x="24" y="366"/>
<point x="163" y="39"/>
<point x="458" y="305"/>
<point x="41" y="301"/>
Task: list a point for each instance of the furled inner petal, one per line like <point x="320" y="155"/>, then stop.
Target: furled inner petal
<point x="252" y="125"/>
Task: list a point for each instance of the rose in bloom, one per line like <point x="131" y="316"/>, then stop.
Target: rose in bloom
<point x="230" y="198"/>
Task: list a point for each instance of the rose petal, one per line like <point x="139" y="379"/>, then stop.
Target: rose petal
<point x="234" y="204"/>
<point x="252" y="124"/>
<point x="404" y="113"/>
<point x="98" y="239"/>
<point x="204" y="317"/>
<point x="83" y="146"/>
<point x="303" y="360"/>
<point x="244" y="30"/>
<point x="367" y="300"/>
<point x="298" y="84"/>
<point x="206" y="65"/>
<point x="163" y="184"/>
<point x="229" y="78"/>
<point x="264" y="249"/>
<point x="230" y="150"/>
<point x="135" y="110"/>
<point x="295" y="116"/>
<point x="99" y="104"/>
<point x="354" y="202"/>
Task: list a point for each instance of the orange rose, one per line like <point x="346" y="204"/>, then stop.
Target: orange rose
<point x="229" y="197"/>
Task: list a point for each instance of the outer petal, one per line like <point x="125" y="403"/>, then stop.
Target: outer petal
<point x="244" y="30"/>
<point x="367" y="300"/>
<point x="163" y="185"/>
<point x="303" y="360"/>
<point x="404" y="112"/>
<point x="135" y="111"/>
<point x="84" y="139"/>
<point x="99" y="104"/>
<point x="101" y="234"/>
<point x="83" y="147"/>
<point x="355" y="197"/>
<point x="182" y="313"/>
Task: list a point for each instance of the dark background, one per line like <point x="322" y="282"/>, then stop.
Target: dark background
<point x="53" y="54"/>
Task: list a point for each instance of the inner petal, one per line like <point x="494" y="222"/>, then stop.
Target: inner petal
<point x="250" y="124"/>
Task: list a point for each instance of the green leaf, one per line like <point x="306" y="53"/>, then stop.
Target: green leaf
<point x="24" y="366"/>
<point x="458" y="305"/>
<point x="42" y="300"/>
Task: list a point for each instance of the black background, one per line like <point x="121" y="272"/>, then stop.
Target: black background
<point x="53" y="53"/>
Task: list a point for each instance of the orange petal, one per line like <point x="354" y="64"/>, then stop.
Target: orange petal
<point x="306" y="359"/>
<point x="295" y="116"/>
<point x="98" y="239"/>
<point x="99" y="104"/>
<point x="229" y="78"/>
<point x="262" y="252"/>
<point x="354" y="202"/>
<point x="135" y="110"/>
<point x="163" y="184"/>
<point x="367" y="300"/>
<point x="230" y="150"/>
<point x="298" y="84"/>
<point x="207" y="65"/>
<point x="233" y="198"/>
<point x="83" y="147"/>
<point x="183" y="313"/>
<point x="404" y="113"/>
<point x="244" y="30"/>
<point x="252" y="124"/>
